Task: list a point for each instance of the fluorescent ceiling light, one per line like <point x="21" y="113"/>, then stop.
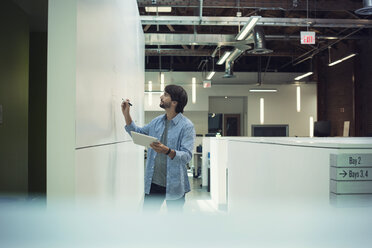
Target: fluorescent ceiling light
<point x="263" y="90"/>
<point x="341" y="60"/>
<point x="303" y="76"/>
<point x="158" y="9"/>
<point x="262" y="109"/>
<point x="154" y="91"/>
<point x="223" y="58"/>
<point x="298" y="99"/>
<point x="210" y="75"/>
<point x="162" y="81"/>
<point x="247" y="28"/>
<point x="150" y="95"/>
<point x="150" y="86"/>
<point x="193" y="90"/>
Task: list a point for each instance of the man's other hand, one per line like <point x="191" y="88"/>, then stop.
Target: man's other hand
<point x="159" y="147"/>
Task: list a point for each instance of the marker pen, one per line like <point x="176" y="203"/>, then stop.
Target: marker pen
<point x="128" y="102"/>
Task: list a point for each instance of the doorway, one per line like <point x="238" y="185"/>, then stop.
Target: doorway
<point x="231" y="125"/>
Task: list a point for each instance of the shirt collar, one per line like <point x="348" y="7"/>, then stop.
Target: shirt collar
<point x="176" y="119"/>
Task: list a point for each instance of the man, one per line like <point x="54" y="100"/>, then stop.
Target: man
<point x="166" y="174"/>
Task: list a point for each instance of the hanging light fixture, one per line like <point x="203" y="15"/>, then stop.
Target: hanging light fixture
<point x="263" y="90"/>
<point x="158" y="9"/>
<point x="303" y="76"/>
<point x="223" y="58"/>
<point x="308" y="73"/>
<point x="342" y="60"/>
<point x="212" y="72"/>
<point x="247" y="28"/>
<point x="210" y="75"/>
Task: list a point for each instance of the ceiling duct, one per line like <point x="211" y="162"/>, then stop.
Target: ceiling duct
<point x="259" y="49"/>
<point x="230" y="62"/>
<point x="259" y="42"/>
<point x="367" y="8"/>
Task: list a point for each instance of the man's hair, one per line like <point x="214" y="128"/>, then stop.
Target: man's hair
<point x="178" y="94"/>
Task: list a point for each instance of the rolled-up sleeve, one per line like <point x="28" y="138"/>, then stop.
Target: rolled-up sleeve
<point x="184" y="153"/>
<point x="135" y="128"/>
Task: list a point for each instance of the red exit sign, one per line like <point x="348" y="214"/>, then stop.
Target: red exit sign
<point x="207" y="84"/>
<point x="307" y="37"/>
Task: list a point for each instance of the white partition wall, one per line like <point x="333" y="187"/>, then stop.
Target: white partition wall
<point x="205" y="160"/>
<point x="219" y="151"/>
<point x="95" y="59"/>
<point x="284" y="170"/>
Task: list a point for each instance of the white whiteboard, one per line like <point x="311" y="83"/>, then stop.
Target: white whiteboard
<point x="110" y="66"/>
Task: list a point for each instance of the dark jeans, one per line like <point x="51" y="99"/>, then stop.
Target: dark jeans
<point x="155" y="199"/>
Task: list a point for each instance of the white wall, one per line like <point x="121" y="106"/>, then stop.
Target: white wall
<point x="280" y="107"/>
<point x="219" y="151"/>
<point x="105" y="65"/>
<point x="61" y="110"/>
<point x="281" y="170"/>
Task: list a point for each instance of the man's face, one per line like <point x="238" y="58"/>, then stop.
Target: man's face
<point x="165" y="101"/>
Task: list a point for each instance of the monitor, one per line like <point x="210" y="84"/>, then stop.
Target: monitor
<point x="322" y="128"/>
<point x="270" y="130"/>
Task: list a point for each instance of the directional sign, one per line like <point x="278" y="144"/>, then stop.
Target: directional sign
<point x="351" y="160"/>
<point x="351" y="173"/>
<point x="351" y="200"/>
<point x="348" y="187"/>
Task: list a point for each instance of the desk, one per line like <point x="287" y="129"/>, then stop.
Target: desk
<point x="197" y="164"/>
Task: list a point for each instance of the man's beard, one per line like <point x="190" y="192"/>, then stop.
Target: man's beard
<point x="165" y="105"/>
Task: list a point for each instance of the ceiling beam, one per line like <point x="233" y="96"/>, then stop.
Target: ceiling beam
<point x="193" y="39"/>
<point x="177" y="52"/>
<point x="222" y="39"/>
<point x="205" y="53"/>
<point x="264" y="21"/>
<point x="319" y="5"/>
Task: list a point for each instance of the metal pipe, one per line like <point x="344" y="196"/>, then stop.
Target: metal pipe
<point x="230" y="62"/>
<point x="367" y="3"/>
<point x="259" y="42"/>
<point x="367" y="8"/>
<point x="264" y="21"/>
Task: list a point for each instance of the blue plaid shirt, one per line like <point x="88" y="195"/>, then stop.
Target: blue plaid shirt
<point x="181" y="138"/>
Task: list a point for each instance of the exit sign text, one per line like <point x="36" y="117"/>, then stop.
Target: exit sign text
<point x="307" y="37"/>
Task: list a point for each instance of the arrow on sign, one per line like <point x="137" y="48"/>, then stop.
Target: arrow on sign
<point x="344" y="174"/>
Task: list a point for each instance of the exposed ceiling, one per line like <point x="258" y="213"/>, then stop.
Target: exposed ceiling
<point x="185" y="39"/>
